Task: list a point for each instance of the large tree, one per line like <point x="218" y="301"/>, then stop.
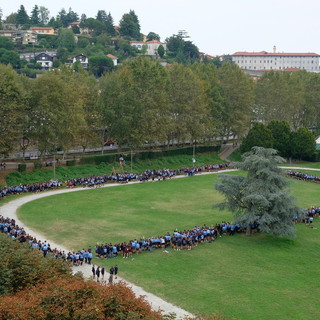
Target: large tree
<point x="22" y="16"/>
<point x="260" y="197"/>
<point x="11" y="108"/>
<point x="66" y="39"/>
<point x="35" y="15"/>
<point x="129" y="25"/>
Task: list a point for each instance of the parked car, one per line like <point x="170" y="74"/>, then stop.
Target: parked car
<point x="109" y="143"/>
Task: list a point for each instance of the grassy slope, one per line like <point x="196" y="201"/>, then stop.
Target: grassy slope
<point x="260" y="277"/>
<point x="63" y="173"/>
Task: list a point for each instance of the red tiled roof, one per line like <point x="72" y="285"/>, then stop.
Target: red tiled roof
<point x="111" y="56"/>
<point x="155" y="41"/>
<point x="265" y="53"/>
<point x="42" y="28"/>
<point x="75" y="23"/>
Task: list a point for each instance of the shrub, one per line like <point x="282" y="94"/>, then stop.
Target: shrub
<point x="71" y="163"/>
<point x="38" y="165"/>
<point x="22" y="167"/>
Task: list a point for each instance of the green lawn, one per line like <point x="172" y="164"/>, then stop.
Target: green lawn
<point x="258" y="277"/>
<point x="313" y="165"/>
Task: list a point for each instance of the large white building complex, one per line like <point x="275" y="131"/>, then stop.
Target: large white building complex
<point x="263" y="61"/>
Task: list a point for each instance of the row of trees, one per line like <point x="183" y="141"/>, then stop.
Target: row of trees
<point x="298" y="144"/>
<point x="138" y="103"/>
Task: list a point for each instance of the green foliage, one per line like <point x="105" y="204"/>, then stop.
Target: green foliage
<point x="11" y="108"/>
<point x="129" y="25"/>
<point x="153" y="36"/>
<point x="161" y="51"/>
<point x="35" y="16"/>
<point x="98" y="65"/>
<point x="71" y="163"/>
<point x="10" y="57"/>
<point x="259" y="135"/>
<point x="22" y="16"/>
<point x="22" y="267"/>
<point x="22" y="167"/>
<point x="37" y="165"/>
<point x="66" y="39"/>
<point x="303" y="145"/>
<point x="281" y="137"/>
<point x="260" y="197"/>
<point x="5" y="43"/>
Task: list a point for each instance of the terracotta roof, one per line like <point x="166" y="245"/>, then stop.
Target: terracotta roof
<point x="155" y="41"/>
<point x="111" y="56"/>
<point x="265" y="53"/>
<point x="75" y="23"/>
<point x="42" y="28"/>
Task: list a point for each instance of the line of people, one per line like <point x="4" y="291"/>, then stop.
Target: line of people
<point x="303" y="176"/>
<point x="96" y="181"/>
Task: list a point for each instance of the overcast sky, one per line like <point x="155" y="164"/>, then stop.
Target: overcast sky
<point x="215" y="26"/>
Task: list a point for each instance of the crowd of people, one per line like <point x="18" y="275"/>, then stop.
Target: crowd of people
<point x="303" y="176"/>
<point x="96" y="181"/>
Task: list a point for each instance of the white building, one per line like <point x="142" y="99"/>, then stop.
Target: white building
<point x="151" y="46"/>
<point x="277" y="61"/>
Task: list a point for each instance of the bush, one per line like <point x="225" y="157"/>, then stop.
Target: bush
<point x="38" y="165"/>
<point x="22" y="167"/>
<point x="71" y="163"/>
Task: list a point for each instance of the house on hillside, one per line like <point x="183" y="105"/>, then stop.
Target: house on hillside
<point x="82" y="59"/>
<point x="20" y="36"/>
<point x="45" y="59"/>
<point x="44" y="30"/>
<point x="114" y="59"/>
<point x="151" y="46"/>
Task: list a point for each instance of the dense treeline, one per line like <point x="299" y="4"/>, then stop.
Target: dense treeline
<point x="143" y="102"/>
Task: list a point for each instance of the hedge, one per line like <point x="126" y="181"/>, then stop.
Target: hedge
<point x="22" y="167"/>
<point x="145" y="155"/>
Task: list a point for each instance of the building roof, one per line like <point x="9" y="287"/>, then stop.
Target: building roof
<point x="42" y="28"/>
<point x="155" y="41"/>
<point x="265" y="53"/>
<point x="111" y="56"/>
<point x="75" y="23"/>
<point x="138" y="42"/>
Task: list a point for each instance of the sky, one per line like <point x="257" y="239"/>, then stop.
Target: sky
<point x="216" y="27"/>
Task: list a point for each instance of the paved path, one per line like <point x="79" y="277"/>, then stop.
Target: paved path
<point x="10" y="210"/>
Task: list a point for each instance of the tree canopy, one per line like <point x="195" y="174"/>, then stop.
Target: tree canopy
<point x="260" y="198"/>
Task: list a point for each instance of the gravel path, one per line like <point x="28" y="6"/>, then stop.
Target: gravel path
<point x="10" y="210"/>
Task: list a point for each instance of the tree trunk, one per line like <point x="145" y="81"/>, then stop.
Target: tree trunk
<point x="248" y="231"/>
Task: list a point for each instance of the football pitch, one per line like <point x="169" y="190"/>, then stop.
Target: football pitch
<point x="257" y="277"/>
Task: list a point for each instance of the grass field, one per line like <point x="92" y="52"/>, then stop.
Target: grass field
<point x="258" y="277"/>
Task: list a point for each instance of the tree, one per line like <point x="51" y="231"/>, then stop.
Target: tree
<point x="153" y="36"/>
<point x="281" y="137"/>
<point x="161" y="51"/>
<point x="102" y="16"/>
<point x="5" y="43"/>
<point x="129" y="26"/>
<point x="66" y="39"/>
<point x="35" y="15"/>
<point x="11" y="106"/>
<point x="110" y="25"/>
<point x="44" y="15"/>
<point x="22" y="16"/>
<point x="12" y="18"/>
<point x="188" y="105"/>
<point x="236" y="90"/>
<point x="303" y="145"/>
<point x="259" y="135"/>
<point x="98" y="65"/>
<point x="261" y="197"/>
<point x="10" y="57"/>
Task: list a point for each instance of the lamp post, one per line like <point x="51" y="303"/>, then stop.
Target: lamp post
<point x="194" y="153"/>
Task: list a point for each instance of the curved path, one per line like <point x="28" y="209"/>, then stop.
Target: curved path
<point x="10" y="210"/>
